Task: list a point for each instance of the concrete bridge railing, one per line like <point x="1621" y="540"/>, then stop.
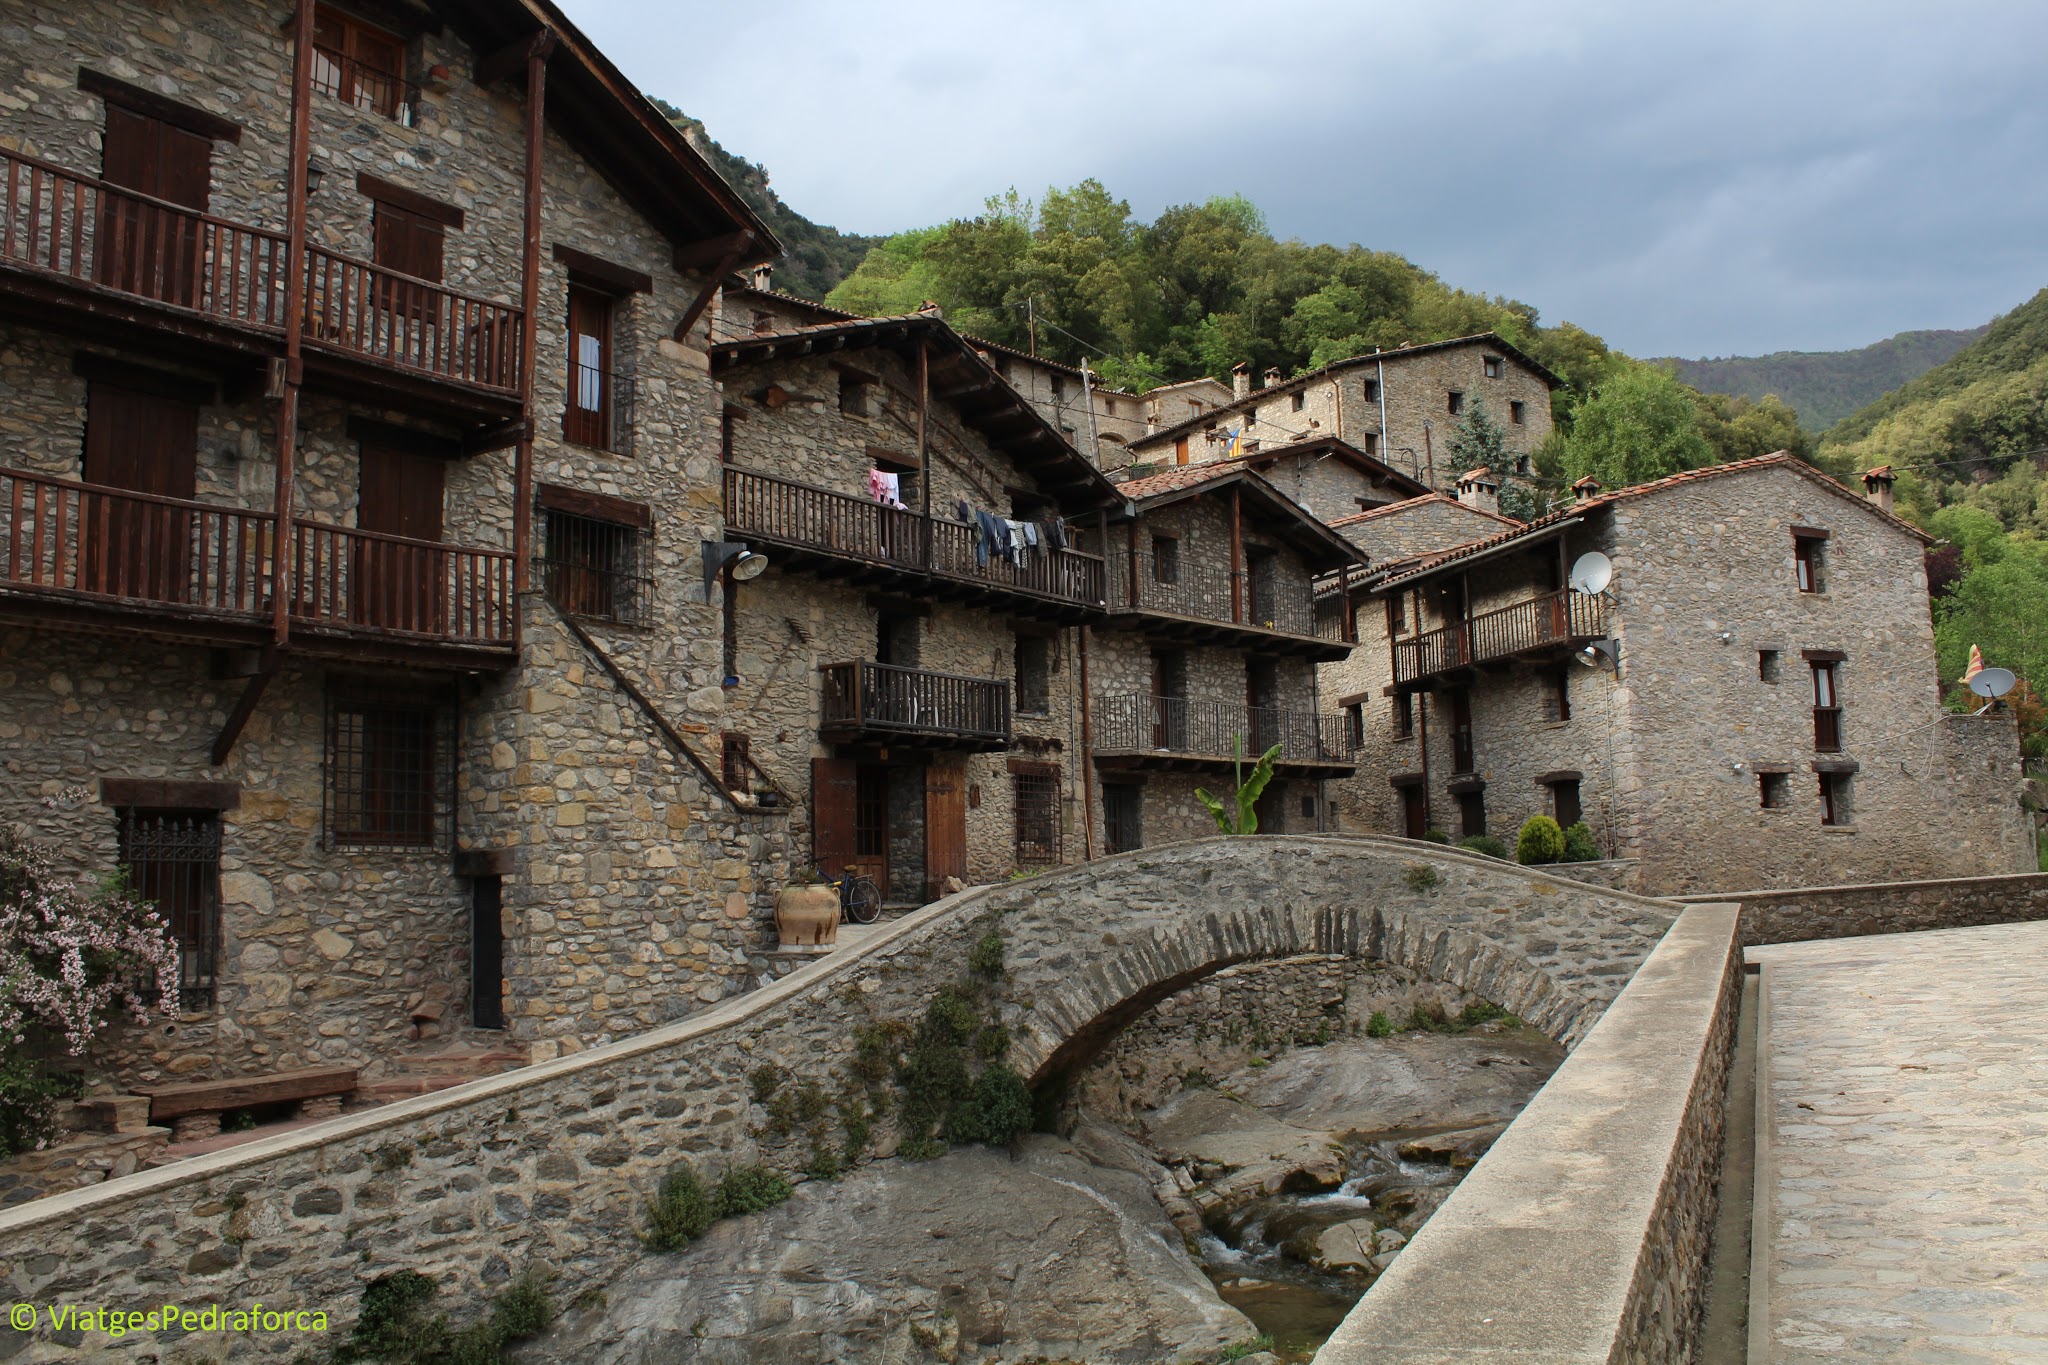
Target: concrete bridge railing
<point x="552" y="1166"/>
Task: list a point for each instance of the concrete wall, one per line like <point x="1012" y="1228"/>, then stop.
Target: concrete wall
<point x="552" y="1165"/>
<point x="1813" y="912"/>
<point x="1583" y="1235"/>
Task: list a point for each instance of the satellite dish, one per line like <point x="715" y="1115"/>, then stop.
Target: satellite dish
<point x="1592" y="573"/>
<point x="1991" y="683"/>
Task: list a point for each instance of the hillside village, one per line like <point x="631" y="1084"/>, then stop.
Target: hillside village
<point x="468" y="598"/>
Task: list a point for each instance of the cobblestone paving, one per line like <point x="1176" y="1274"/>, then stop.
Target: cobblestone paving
<point x="1906" y="1153"/>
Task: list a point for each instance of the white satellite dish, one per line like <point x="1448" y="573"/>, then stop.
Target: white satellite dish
<point x="1991" y="683"/>
<point x="1592" y="573"/>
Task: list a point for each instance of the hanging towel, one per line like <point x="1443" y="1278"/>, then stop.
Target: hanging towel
<point x="885" y="488"/>
<point x="1031" y="534"/>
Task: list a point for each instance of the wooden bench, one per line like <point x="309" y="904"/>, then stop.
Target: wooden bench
<point x="193" y="1109"/>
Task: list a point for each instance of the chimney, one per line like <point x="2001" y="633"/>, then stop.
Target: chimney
<point x="764" y="275"/>
<point x="1479" y="488"/>
<point x="1877" y="486"/>
<point x="1588" y="487"/>
<point x="1273" y="376"/>
<point x="1240" y="379"/>
<point x="930" y="309"/>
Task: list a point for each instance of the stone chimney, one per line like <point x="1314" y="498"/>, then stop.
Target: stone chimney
<point x="764" y="275"/>
<point x="1240" y="379"/>
<point x="1877" y="486"/>
<point x="930" y="309"/>
<point x="1273" y="376"/>
<point x="1588" y="487"/>
<point x="1479" y="488"/>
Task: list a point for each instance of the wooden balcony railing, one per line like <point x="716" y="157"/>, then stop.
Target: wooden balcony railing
<point x="1248" y="599"/>
<point x="66" y="537"/>
<point x="83" y="229"/>
<point x="1178" y="727"/>
<point x="412" y="323"/>
<point x="371" y="581"/>
<point x="869" y="697"/>
<point x="1554" y="618"/>
<point x="767" y="507"/>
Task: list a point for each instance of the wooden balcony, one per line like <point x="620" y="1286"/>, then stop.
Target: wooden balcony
<point x="117" y="265"/>
<point x="858" y="540"/>
<point x="882" y="702"/>
<point x="1553" y="622"/>
<point x="1136" y="731"/>
<point x="1190" y="604"/>
<point x="77" y="554"/>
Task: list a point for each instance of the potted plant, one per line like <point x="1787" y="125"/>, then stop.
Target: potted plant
<point x="807" y="910"/>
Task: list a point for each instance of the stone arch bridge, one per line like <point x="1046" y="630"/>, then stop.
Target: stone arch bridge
<point x="552" y="1165"/>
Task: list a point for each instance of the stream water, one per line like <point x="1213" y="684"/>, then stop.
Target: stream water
<point x="1258" y="1253"/>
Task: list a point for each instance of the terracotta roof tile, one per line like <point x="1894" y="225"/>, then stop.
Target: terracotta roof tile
<point x="1415" y="504"/>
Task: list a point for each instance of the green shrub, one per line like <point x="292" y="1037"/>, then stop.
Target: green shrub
<point x="996" y="1113"/>
<point x="1578" y="844"/>
<point x="749" y="1189"/>
<point x="1481" y="1012"/>
<point x="1428" y="1018"/>
<point x="1379" y="1026"/>
<point x="393" y="1326"/>
<point x="987" y="957"/>
<point x="1541" y="841"/>
<point x="1421" y="877"/>
<point x="681" y="1211"/>
<point x="29" y="1095"/>
<point x="1436" y="836"/>
<point x="1239" y="1350"/>
<point x="991" y="1041"/>
<point x="1484" y="843"/>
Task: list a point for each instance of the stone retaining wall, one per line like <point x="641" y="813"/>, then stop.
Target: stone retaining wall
<point x="552" y="1166"/>
<point x="1583" y="1235"/>
<point x="1811" y="912"/>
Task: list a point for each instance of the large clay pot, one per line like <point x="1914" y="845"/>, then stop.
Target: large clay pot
<point x="807" y="915"/>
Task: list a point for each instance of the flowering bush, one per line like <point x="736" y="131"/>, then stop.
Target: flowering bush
<point x="70" y="963"/>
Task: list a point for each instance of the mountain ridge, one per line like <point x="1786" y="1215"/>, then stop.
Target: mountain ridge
<point x="1827" y="386"/>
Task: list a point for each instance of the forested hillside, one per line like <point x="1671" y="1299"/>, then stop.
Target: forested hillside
<point x="1826" y="386"/>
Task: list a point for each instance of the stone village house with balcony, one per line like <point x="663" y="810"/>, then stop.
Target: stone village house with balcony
<point x="358" y="443"/>
<point x="1766" y="706"/>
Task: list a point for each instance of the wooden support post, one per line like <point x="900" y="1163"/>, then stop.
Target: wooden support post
<point x="283" y="580"/>
<point x="924" y="474"/>
<point x="1237" y="553"/>
<point x="535" y="54"/>
<point x="735" y="247"/>
<point x="1131" y="533"/>
<point x="252" y="692"/>
<point x="1087" y="754"/>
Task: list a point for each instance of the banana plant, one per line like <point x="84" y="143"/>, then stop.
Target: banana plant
<point x="1245" y="819"/>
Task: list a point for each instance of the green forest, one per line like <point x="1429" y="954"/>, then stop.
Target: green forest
<point x="1826" y="386"/>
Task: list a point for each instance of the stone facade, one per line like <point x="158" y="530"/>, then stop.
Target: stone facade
<point x="551" y="1166"/>
<point x="1672" y="755"/>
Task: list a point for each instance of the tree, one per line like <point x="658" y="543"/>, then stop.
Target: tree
<point x="1639" y="425"/>
<point x="1742" y="429"/>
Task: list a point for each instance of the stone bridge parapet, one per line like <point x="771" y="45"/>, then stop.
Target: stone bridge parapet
<point x="552" y="1166"/>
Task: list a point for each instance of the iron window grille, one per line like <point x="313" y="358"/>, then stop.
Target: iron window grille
<point x="736" y="756"/>
<point x="390" y="779"/>
<point x="1037" y="792"/>
<point x="173" y="861"/>
<point x="598" y="569"/>
<point x="1121" y="812"/>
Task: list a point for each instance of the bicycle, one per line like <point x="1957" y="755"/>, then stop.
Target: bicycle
<point x="860" y="900"/>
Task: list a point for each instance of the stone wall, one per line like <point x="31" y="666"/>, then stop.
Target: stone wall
<point x="1813" y="912"/>
<point x="1583" y="1234"/>
<point x="552" y="1165"/>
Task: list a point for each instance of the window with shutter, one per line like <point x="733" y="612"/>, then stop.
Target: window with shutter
<point x="587" y="413"/>
<point x="359" y="64"/>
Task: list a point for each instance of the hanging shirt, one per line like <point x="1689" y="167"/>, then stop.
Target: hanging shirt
<point x="885" y="488"/>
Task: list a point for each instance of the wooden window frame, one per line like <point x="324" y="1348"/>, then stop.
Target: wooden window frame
<point x="1517" y="412"/>
<point x="1827" y="706"/>
<point x="389" y="779"/>
<point x="1492" y="366"/>
<point x="1454" y="402"/>
<point x="593" y="428"/>
<point x="340" y="72"/>
<point x="1402" y="712"/>
<point x="1809" y="559"/>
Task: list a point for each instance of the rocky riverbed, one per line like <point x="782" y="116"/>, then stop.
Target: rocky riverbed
<point x="1215" y="1182"/>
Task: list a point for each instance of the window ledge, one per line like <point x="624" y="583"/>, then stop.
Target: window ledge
<point x="1838" y="829"/>
<point x="1778" y="810"/>
<point x="1554" y="724"/>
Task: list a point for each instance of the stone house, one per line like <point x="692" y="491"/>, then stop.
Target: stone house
<point x="1399" y="406"/>
<point x="1752" y="701"/>
<point x="1214" y="636"/>
<point x="1333" y="479"/>
<point x="360" y="443"/>
<point x="910" y="685"/>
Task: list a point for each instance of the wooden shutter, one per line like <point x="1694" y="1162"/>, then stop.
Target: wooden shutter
<point x="394" y="586"/>
<point x="408" y="242"/>
<point x="144" y="248"/>
<point x="834" y="789"/>
<point x="586" y="411"/>
<point x="141" y="443"/>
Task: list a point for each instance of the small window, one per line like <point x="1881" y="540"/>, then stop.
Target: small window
<point x="1034" y="674"/>
<point x="1834" y="799"/>
<point x="1059" y="387"/>
<point x="172" y="858"/>
<point x="1108" y="406"/>
<point x="1767" y="665"/>
<point x="1371" y="390"/>
<point x="1471" y="815"/>
<point x="1774" y="790"/>
<point x="1397" y="614"/>
<point x="1564" y="802"/>
<point x="1300" y="401"/>
<point x="1308" y="807"/>
<point x="764" y="323"/>
<point x="599" y="569"/>
<point x="1827" y="709"/>
<point x="1492" y="366"/>
<point x="1809" y="561"/>
<point x="360" y="65"/>
<point x="736" y="757"/>
<point x="1251" y="417"/>
<point x="1517" y="412"/>
<point x="856" y="395"/>
<point x="1036" y="788"/>
<point x="389" y="770"/>
<point x="1165" y="559"/>
<point x="1455" y="402"/>
<point x="1404" y="715"/>
<point x="1560" y="698"/>
<point x="1354" y="726"/>
<point x="590" y="414"/>
<point x="1372" y="443"/>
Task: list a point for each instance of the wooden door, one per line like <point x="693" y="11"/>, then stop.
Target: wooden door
<point x="400" y="585"/>
<point x="487" y="952"/>
<point x="835" y="788"/>
<point x="945" y="828"/>
<point x="871" y="823"/>
<point x="1262" y="698"/>
<point x="409" y="312"/>
<point x="1462" y="757"/>
<point x="1414" y="812"/>
<point x="141" y="443"/>
<point x="146" y="248"/>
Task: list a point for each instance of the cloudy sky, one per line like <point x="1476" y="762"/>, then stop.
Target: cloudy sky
<point x="1702" y="180"/>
